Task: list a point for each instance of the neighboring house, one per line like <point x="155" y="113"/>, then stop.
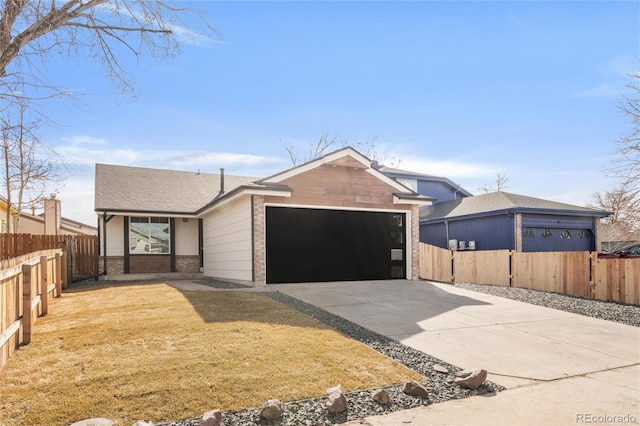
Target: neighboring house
<point x="332" y="219"/>
<point x="4" y="226"/>
<point x="502" y="220"/>
<point x="51" y="222"/>
<point x="439" y="188"/>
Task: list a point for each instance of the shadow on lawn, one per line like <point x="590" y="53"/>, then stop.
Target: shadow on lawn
<point x="222" y="306"/>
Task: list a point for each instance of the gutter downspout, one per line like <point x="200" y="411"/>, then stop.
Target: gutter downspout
<point x="455" y="193"/>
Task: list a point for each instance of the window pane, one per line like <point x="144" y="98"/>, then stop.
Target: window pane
<point x="396" y="220"/>
<point x="397" y="272"/>
<point x="396" y="254"/>
<point x="159" y="238"/>
<point x="139" y="235"/>
<point x="396" y="237"/>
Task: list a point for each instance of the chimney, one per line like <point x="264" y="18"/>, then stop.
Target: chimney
<point x="52" y="216"/>
<point x="221" y="182"/>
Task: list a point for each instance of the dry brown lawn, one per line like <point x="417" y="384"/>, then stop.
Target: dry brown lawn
<point x="151" y="352"/>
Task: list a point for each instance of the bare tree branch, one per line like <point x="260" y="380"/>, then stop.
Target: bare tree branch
<point x="30" y="166"/>
<point x="498" y="184"/>
<point x="327" y="143"/>
<point x="30" y="30"/>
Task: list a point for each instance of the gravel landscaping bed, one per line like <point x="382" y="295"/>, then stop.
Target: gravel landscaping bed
<point x="610" y="311"/>
<point x="360" y="403"/>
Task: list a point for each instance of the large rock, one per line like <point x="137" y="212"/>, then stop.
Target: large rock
<point x="211" y="418"/>
<point x="440" y="369"/>
<point x="471" y="379"/>
<point x="271" y="410"/>
<point x="337" y="402"/>
<point x="143" y="423"/>
<point x="416" y="389"/>
<point x="381" y="396"/>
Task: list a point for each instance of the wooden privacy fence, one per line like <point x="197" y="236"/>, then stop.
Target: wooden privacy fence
<point x="27" y="285"/>
<point x="82" y="250"/>
<point x="573" y="273"/>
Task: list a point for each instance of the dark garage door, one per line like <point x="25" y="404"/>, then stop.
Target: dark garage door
<point x="306" y="245"/>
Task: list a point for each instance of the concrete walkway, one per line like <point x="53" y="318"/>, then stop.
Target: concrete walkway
<point x="559" y="368"/>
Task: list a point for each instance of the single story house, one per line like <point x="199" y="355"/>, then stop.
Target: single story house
<point x="51" y="222"/>
<point x="501" y="220"/>
<point x="334" y="218"/>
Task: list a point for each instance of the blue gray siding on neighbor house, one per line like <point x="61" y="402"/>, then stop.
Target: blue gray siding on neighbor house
<point x="434" y="234"/>
<point x="540" y="232"/>
<point x="489" y="232"/>
<point x="438" y="190"/>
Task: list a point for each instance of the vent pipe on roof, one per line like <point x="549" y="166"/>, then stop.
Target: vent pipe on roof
<point x="221" y="182"/>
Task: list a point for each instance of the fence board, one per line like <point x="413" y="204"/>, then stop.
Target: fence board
<point x="482" y="267"/>
<point x="435" y="263"/>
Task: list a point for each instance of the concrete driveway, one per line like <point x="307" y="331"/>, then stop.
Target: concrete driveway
<point x="559" y="368"/>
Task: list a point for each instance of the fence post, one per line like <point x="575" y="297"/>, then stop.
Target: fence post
<point x="593" y="259"/>
<point x="58" y="271"/>
<point x="44" y="285"/>
<point x="64" y="279"/>
<point x="27" y="276"/>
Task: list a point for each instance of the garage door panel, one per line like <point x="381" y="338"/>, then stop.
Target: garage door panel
<point x="305" y="245"/>
<point x="556" y="239"/>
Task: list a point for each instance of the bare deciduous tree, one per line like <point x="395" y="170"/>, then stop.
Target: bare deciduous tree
<point x="30" y="165"/>
<point x="627" y="165"/>
<point x="624" y="200"/>
<point x="327" y="143"/>
<point x="31" y="30"/>
<point x="498" y="184"/>
<point x="624" y="223"/>
<point x="317" y="149"/>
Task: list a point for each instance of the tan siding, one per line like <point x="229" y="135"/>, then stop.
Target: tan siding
<point x="186" y="237"/>
<point x="115" y="236"/>
<point x="339" y="186"/>
<point x="227" y="242"/>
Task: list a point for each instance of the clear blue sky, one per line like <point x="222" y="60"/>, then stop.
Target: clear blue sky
<point x="464" y="90"/>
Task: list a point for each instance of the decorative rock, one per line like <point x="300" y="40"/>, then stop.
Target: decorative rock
<point x="334" y="389"/>
<point x="271" y="410"/>
<point x="440" y="369"/>
<point x="144" y="423"/>
<point x="471" y="379"/>
<point x="98" y="421"/>
<point x="337" y="401"/>
<point x="212" y="418"/>
<point x="381" y="396"/>
<point x="416" y="389"/>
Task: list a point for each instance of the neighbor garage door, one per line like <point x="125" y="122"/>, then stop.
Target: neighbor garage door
<point x="305" y="245"/>
<point x="557" y="234"/>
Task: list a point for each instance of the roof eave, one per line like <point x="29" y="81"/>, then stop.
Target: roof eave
<point x="270" y="190"/>
<point x="414" y="199"/>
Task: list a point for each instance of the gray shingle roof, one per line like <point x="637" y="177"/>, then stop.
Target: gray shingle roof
<point x="497" y="201"/>
<point x="123" y="188"/>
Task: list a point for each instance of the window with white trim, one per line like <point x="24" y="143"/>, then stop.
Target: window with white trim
<point x="149" y="235"/>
